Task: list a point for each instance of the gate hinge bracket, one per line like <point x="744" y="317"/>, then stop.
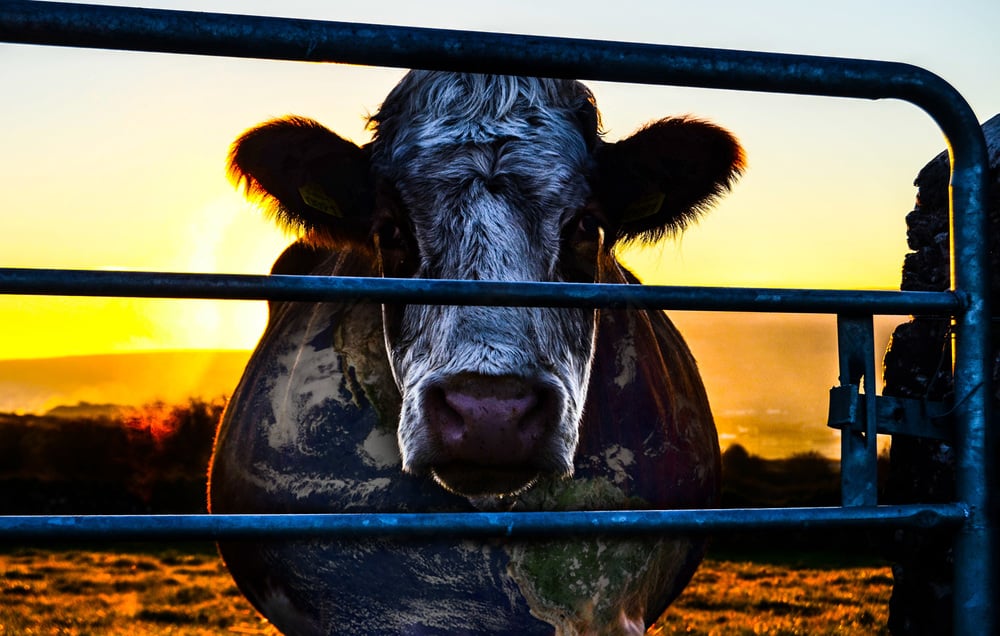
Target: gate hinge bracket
<point x="895" y="416"/>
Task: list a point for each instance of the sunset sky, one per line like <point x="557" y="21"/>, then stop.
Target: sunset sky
<point x="115" y="160"/>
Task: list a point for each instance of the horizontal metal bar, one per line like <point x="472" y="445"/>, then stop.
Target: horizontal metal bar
<point x="409" y="47"/>
<point x="458" y="292"/>
<point x="219" y="34"/>
<point x="475" y="524"/>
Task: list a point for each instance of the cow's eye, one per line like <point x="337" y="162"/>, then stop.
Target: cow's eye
<point x="389" y="236"/>
<point x="583" y="237"/>
<point x="394" y="245"/>
<point x="588" y="227"/>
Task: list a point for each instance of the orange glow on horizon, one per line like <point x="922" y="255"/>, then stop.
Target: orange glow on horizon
<point x="155" y="421"/>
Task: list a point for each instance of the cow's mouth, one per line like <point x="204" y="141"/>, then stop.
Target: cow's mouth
<point x="485" y="481"/>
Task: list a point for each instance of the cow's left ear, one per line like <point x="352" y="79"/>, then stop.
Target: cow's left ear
<point x="662" y="177"/>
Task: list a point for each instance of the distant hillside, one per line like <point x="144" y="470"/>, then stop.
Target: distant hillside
<point x="37" y="386"/>
<point x="153" y="459"/>
<point x="768" y="378"/>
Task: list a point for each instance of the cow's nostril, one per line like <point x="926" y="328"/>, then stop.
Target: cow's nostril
<point x="485" y="408"/>
<point x="492" y="421"/>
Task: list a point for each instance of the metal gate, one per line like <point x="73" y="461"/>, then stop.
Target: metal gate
<point x="968" y="517"/>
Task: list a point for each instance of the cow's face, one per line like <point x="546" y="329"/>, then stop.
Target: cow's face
<point x="487" y="178"/>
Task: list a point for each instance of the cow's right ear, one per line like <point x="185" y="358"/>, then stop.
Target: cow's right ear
<point x="309" y="179"/>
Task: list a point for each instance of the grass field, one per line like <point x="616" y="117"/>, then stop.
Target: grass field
<point x="76" y="592"/>
<point x="742" y="598"/>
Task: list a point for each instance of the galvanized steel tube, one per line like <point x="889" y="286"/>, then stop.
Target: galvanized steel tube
<point x="61" y="282"/>
<point x="478" y="524"/>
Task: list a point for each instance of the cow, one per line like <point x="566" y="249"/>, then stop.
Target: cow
<point x="355" y="407"/>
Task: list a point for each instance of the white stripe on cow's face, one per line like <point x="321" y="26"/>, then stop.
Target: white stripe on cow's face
<point x="487" y="171"/>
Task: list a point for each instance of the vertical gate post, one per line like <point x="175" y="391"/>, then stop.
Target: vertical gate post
<point x="975" y="545"/>
<point x="858" y="449"/>
<point x="949" y="577"/>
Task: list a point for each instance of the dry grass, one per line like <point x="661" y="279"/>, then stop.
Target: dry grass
<point x="728" y="597"/>
<point x="79" y="592"/>
<point x="76" y="592"/>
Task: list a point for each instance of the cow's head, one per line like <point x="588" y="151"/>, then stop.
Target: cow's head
<point x="487" y="178"/>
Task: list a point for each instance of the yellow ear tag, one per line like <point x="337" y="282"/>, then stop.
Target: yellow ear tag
<point x="314" y="196"/>
<point x="643" y="207"/>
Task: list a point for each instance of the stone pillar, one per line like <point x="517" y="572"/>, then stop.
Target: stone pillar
<point x="918" y="365"/>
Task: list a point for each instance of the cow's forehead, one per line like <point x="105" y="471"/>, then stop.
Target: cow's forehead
<point x="431" y="112"/>
<point x="476" y="157"/>
<point x="467" y="96"/>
